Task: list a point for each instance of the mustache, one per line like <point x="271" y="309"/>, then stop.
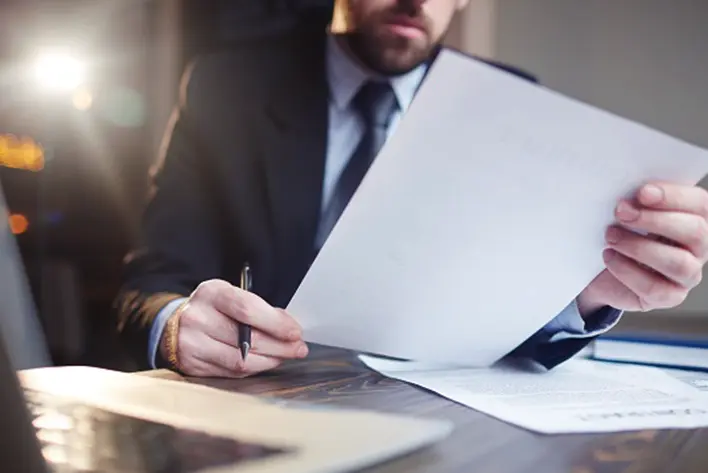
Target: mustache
<point x="409" y="7"/>
<point x="410" y="11"/>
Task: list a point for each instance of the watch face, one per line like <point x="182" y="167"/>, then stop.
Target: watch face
<point x="76" y="437"/>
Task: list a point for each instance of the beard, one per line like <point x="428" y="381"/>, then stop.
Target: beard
<point x="383" y="50"/>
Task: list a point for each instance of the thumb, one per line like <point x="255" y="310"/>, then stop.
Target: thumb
<point x="613" y="292"/>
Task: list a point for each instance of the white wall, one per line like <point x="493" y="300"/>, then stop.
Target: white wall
<point x="646" y="60"/>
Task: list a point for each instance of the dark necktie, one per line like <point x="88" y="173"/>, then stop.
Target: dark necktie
<point x="376" y="103"/>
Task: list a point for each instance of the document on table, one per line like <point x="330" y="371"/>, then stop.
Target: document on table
<point x="696" y="379"/>
<point x="578" y="396"/>
<point x="480" y="220"/>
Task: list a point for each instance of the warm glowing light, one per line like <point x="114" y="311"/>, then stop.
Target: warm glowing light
<point x="21" y="153"/>
<point x="82" y="99"/>
<point x="59" y="71"/>
<point x="18" y="224"/>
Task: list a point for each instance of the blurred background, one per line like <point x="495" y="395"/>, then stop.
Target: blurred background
<point x="86" y="87"/>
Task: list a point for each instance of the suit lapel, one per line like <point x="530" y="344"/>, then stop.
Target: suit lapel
<point x="294" y="147"/>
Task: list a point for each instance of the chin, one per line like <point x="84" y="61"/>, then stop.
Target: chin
<point x="390" y="54"/>
<point x="397" y="61"/>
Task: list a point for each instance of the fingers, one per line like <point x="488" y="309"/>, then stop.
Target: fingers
<point x="208" y="369"/>
<point x="221" y="328"/>
<point x="264" y="344"/>
<point x="674" y="197"/>
<point x="210" y="357"/>
<point x="248" y="308"/>
<point x="204" y="369"/>
<point x="225" y="330"/>
<point x="674" y="263"/>
<point x="686" y="229"/>
<point x="606" y="290"/>
<point x="208" y="334"/>
<point x="657" y="252"/>
<point x="653" y="290"/>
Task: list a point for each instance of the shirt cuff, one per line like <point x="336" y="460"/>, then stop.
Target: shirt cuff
<point x="570" y="324"/>
<point x="158" y="326"/>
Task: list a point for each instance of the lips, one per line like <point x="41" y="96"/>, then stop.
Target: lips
<point x="405" y="26"/>
<point x="406" y="22"/>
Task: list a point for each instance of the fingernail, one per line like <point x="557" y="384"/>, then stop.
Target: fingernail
<point x="613" y="235"/>
<point x="302" y="351"/>
<point x="651" y="194"/>
<point x="627" y="212"/>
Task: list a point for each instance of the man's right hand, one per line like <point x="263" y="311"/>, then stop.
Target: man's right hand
<point x="207" y="340"/>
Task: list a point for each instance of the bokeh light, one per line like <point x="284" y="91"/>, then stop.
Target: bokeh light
<point x="18" y="224"/>
<point x="82" y="99"/>
<point x="59" y="71"/>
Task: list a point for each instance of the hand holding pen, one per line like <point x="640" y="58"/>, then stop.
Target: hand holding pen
<point x="214" y="324"/>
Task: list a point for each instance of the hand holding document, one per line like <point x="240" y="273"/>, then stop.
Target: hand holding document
<point x="579" y="396"/>
<point x="481" y="219"/>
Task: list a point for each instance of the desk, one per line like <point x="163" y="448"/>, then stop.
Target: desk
<point x="478" y="443"/>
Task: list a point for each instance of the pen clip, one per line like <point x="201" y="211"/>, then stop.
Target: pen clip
<point x="246" y="277"/>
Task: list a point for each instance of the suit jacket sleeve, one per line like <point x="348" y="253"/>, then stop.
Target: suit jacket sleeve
<point x="178" y="246"/>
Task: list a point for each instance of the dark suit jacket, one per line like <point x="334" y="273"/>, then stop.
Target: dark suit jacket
<point x="240" y="179"/>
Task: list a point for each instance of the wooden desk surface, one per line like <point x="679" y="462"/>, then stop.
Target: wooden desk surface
<point x="479" y="443"/>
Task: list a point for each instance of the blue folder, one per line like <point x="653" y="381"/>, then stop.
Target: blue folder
<point x="654" y="350"/>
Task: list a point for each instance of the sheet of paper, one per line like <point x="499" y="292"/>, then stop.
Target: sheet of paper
<point x="696" y="379"/>
<point x="578" y="396"/>
<point x="481" y="219"/>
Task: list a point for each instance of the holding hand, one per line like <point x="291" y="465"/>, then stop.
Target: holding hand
<point x="206" y="328"/>
<point x="658" y="270"/>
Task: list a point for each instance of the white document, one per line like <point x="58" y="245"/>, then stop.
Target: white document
<point x="578" y="396"/>
<point x="481" y="219"/>
<point x="697" y="379"/>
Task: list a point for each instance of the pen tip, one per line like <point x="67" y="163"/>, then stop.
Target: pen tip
<point x="245" y="346"/>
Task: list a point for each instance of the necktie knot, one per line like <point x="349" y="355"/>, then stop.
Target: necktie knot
<point x="376" y="102"/>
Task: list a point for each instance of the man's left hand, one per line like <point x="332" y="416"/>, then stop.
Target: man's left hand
<point x="658" y="270"/>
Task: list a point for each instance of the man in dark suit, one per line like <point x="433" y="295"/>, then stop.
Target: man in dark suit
<point x="264" y="151"/>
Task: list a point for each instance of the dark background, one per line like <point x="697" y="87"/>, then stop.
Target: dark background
<point x="84" y="207"/>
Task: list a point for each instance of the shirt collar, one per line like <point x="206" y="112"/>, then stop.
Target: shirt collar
<point x="345" y="77"/>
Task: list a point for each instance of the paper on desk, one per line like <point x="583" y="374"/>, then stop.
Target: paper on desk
<point x="696" y="379"/>
<point x="578" y="396"/>
<point x="481" y="219"/>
